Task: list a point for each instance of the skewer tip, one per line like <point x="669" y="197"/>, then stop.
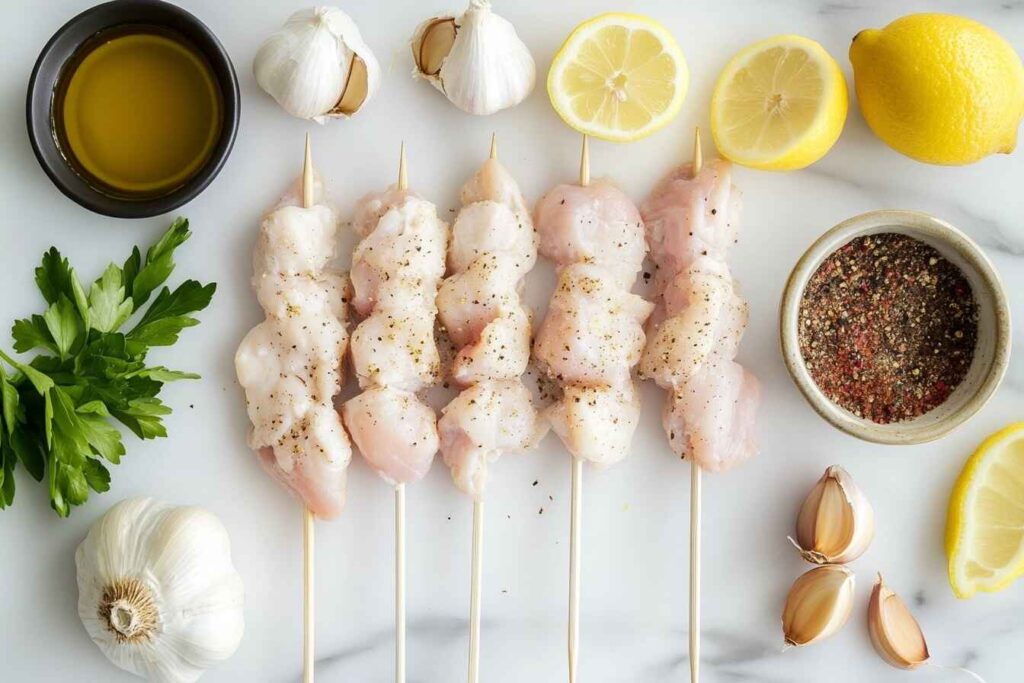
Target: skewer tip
<point x="403" y="174"/>
<point x="494" y="145"/>
<point x="585" y="161"/>
<point x="307" y="176"/>
<point x="698" y="154"/>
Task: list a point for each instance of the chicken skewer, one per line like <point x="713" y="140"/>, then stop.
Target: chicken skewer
<point x="396" y="268"/>
<point x="692" y="218"/>
<point x="591" y="337"/>
<point x="493" y="247"/>
<point x="290" y="365"/>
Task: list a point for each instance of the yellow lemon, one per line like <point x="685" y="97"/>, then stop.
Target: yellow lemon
<point x="779" y="104"/>
<point x="939" y="88"/>
<point x="618" y="77"/>
<point x="985" y="526"/>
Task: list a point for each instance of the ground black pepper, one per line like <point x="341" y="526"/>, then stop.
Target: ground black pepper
<point x="888" y="327"/>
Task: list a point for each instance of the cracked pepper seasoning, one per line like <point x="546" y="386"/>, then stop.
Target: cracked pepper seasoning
<point x="888" y="327"/>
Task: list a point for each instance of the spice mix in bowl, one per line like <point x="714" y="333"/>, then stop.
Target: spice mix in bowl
<point x="895" y="327"/>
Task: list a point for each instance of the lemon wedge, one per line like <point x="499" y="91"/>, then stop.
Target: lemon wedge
<point x="779" y="104"/>
<point x="985" y="527"/>
<point x="618" y="77"/>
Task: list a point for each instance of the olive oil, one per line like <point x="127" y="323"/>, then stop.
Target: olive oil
<point x="137" y="112"/>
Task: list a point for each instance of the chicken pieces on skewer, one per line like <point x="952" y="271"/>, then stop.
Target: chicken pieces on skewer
<point x="593" y="334"/>
<point x="695" y="331"/>
<point x="290" y="365"/>
<point x="396" y="268"/>
<point x="493" y="246"/>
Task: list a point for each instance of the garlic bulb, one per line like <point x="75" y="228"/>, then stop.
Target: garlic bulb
<point x="317" y="66"/>
<point x="836" y="522"/>
<point x="157" y="591"/>
<point x="476" y="60"/>
<point x="894" y="631"/>
<point x="818" y="604"/>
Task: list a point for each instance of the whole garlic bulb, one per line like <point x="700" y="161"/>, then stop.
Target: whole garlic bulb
<point x="476" y="60"/>
<point x="157" y="590"/>
<point x="317" y="65"/>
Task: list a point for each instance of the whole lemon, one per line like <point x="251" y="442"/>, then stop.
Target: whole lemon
<point x="939" y="88"/>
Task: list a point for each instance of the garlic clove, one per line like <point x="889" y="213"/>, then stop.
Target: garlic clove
<point x="894" y="631"/>
<point x="434" y="40"/>
<point x="313" y="66"/>
<point x="818" y="604"/>
<point x="476" y="60"/>
<point x="356" y="91"/>
<point x="836" y="522"/>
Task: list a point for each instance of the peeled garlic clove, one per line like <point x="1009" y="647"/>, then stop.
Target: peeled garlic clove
<point x="836" y="522"/>
<point x="894" y="631"/>
<point x="476" y="60"/>
<point x="317" y="65"/>
<point x="818" y="604"/>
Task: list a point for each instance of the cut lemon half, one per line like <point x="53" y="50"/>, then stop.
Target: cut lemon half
<point x="985" y="527"/>
<point x="780" y="104"/>
<point x="618" y="77"/>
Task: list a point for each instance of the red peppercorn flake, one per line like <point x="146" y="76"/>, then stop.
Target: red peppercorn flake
<point x="888" y="327"/>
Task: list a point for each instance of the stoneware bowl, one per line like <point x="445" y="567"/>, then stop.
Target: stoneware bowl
<point x="48" y="70"/>
<point x="991" y="355"/>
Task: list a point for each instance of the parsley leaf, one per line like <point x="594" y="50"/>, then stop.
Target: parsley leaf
<point x="63" y="324"/>
<point x="53" y="277"/>
<point x="159" y="263"/>
<point x="168" y="315"/>
<point x="108" y="308"/>
<point x="59" y="411"/>
<point x="32" y="333"/>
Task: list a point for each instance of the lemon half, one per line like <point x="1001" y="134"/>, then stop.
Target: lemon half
<point x="779" y="104"/>
<point x="618" y="77"/>
<point x="985" y="527"/>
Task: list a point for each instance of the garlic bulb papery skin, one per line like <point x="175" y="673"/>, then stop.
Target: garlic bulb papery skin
<point x="476" y="60"/>
<point x="818" y="604"/>
<point x="157" y="590"/>
<point x="836" y="522"/>
<point x="317" y="66"/>
<point x="894" y="631"/>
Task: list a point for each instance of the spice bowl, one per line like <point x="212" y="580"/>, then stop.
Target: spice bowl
<point x="991" y="350"/>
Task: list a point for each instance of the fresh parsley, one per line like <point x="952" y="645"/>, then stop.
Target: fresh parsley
<point x="57" y="410"/>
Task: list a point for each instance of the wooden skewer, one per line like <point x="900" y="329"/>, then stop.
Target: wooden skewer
<point x="474" y="592"/>
<point x="695" y="505"/>
<point x="473" y="675"/>
<point x="308" y="538"/>
<point x="403" y="183"/>
<point x="576" y="504"/>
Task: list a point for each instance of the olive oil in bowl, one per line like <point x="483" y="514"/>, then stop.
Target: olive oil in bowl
<point x="137" y="111"/>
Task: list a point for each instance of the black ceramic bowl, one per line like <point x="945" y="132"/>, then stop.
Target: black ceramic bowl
<point x="47" y="72"/>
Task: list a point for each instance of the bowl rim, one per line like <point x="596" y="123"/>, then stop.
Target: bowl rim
<point x="46" y="72"/>
<point x="894" y="433"/>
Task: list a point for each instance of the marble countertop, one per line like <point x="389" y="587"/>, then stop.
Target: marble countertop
<point x="634" y="613"/>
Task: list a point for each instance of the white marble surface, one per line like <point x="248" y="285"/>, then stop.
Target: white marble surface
<point x="634" y="536"/>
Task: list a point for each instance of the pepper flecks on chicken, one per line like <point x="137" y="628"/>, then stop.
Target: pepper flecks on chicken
<point x="396" y="268"/>
<point x="592" y="335"/>
<point x="290" y="365"/>
<point x="493" y="246"/>
<point x="694" y="335"/>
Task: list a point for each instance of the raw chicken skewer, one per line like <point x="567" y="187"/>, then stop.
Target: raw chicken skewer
<point x="692" y="219"/>
<point x="493" y="246"/>
<point x="290" y="365"/>
<point x="396" y="268"/>
<point x="591" y="337"/>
